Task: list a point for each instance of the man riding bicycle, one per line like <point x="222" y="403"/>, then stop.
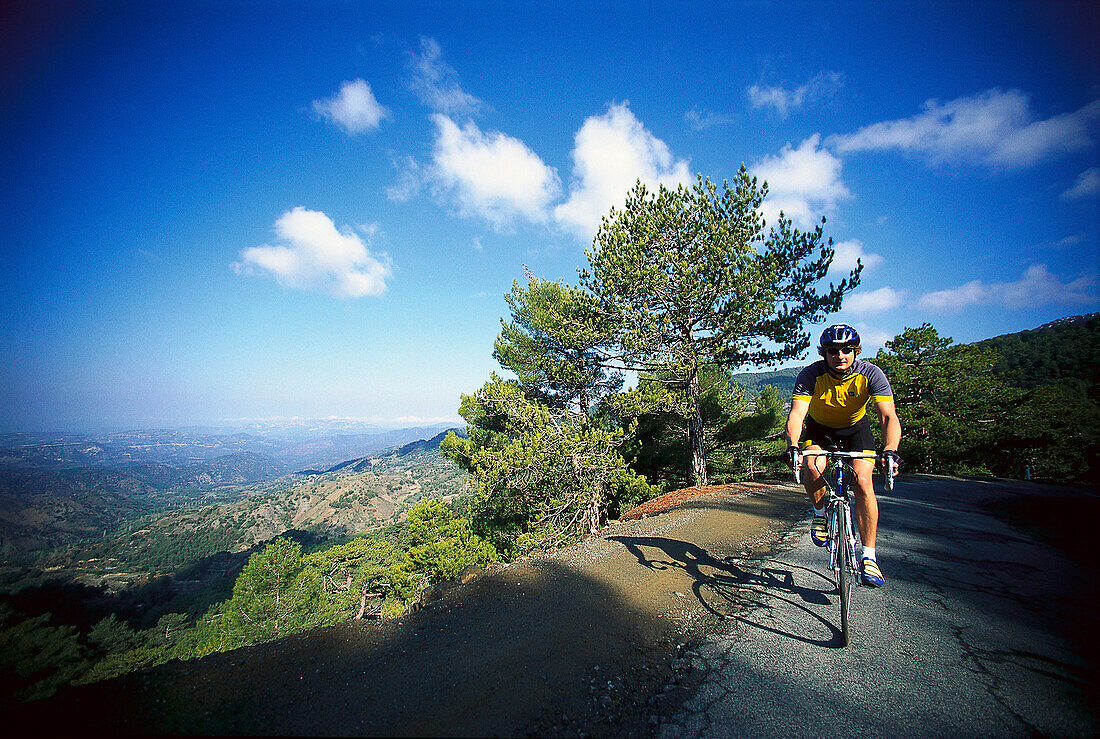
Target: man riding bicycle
<point x="831" y="397"/>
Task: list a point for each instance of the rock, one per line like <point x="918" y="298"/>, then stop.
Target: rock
<point x="469" y="574"/>
<point x="435" y="592"/>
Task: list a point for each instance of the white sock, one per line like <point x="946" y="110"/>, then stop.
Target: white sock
<point x="869" y="553"/>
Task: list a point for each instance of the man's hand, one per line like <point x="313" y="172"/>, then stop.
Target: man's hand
<point x="895" y="460"/>
<point x="792" y="453"/>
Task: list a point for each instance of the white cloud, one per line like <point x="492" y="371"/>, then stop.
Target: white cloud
<point x="492" y="175"/>
<point x="420" y="420"/>
<point x="701" y="119"/>
<point x="354" y="108"/>
<point x="954" y="299"/>
<point x="846" y="255"/>
<point x="783" y="101"/>
<point x="776" y="98"/>
<point x="803" y="183"/>
<point x="995" y="128"/>
<point x="875" y="301"/>
<point x="1036" y="287"/>
<point x="1087" y="185"/>
<point x="611" y="153"/>
<point x="436" y="83"/>
<point x="409" y="180"/>
<point x="872" y="339"/>
<point x="313" y="255"/>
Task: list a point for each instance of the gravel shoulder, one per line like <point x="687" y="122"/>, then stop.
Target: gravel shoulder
<point x="584" y="641"/>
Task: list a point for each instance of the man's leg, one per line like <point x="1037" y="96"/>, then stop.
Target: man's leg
<point x="866" y="502"/>
<point x="812" y="471"/>
<point x="867" y="520"/>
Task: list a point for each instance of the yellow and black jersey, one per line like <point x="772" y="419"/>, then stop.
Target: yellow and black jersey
<point x="842" y="403"/>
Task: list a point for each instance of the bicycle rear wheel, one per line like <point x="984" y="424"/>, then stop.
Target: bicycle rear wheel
<point x="844" y="566"/>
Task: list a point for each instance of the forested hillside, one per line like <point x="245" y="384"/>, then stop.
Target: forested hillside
<point x="755" y="382"/>
<point x="61" y="489"/>
<point x="1066" y="352"/>
<point x="180" y="584"/>
<point x="1023" y="406"/>
<point x="353" y="497"/>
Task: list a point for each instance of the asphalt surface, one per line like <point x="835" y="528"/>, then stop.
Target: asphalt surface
<point x="983" y="628"/>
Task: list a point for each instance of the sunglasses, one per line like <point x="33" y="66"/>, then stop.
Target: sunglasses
<point x="834" y="351"/>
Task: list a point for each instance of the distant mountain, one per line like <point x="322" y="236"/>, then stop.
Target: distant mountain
<point x="422" y="446"/>
<point x="754" y="382"/>
<point x="290" y="448"/>
<point x="358" y="495"/>
<point x="45" y="508"/>
<point x="1066" y="351"/>
<point x="325" y="451"/>
<point x="60" y="489"/>
<point x="164" y="447"/>
<point x="241" y="468"/>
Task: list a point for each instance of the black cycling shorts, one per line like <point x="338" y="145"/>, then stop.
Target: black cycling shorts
<point x="855" y="438"/>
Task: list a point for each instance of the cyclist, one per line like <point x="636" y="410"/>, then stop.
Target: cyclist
<point x="831" y="396"/>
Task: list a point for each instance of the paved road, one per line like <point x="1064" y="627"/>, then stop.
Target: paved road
<point x="982" y="630"/>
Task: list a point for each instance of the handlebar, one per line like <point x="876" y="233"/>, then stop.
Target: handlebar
<point x="888" y="462"/>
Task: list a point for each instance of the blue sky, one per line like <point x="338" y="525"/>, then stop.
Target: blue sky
<point x="225" y="211"/>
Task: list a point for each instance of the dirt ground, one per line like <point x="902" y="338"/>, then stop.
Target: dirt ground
<point x="593" y="640"/>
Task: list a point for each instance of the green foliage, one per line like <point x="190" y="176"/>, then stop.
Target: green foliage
<point x="1053" y="431"/>
<point x="689" y="277"/>
<point x="733" y="428"/>
<point x="36" y="657"/>
<point x="960" y="414"/>
<point x="947" y="396"/>
<point x="112" y="635"/>
<point x="1065" y="353"/>
<point x="271" y="599"/>
<point x="544" y="476"/>
<point x="443" y="544"/>
<point x="553" y="345"/>
<point x="356" y="578"/>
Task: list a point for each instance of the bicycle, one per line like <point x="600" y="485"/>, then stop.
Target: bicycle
<point x="841" y="542"/>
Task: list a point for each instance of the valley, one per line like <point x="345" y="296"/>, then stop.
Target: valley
<point x="124" y="527"/>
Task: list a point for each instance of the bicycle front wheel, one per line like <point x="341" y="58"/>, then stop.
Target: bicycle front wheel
<point x="844" y="566"/>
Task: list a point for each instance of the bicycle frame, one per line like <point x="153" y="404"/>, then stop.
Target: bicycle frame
<point x="841" y="541"/>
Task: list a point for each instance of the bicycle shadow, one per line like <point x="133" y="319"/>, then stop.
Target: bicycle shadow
<point x="730" y="591"/>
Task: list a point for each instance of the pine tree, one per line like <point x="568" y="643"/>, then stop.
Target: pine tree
<point x="688" y="278"/>
<point x="552" y="344"/>
<point x="272" y="597"/>
<point x="444" y="544"/>
<point x="544" y="476"/>
<point x="949" y="399"/>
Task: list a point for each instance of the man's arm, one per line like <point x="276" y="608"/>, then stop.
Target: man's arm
<point x="891" y="426"/>
<point x="795" y="419"/>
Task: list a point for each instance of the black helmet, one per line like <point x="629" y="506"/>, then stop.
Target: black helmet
<point x="840" y="334"/>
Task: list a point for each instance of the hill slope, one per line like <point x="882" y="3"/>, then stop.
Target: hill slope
<point x="352" y="497"/>
<point x="572" y="643"/>
<point x="1065" y="352"/>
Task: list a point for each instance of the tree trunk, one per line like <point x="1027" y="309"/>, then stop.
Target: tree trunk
<point x="592" y="513"/>
<point x="695" y="433"/>
<point x="592" y="510"/>
<point x="362" y="602"/>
